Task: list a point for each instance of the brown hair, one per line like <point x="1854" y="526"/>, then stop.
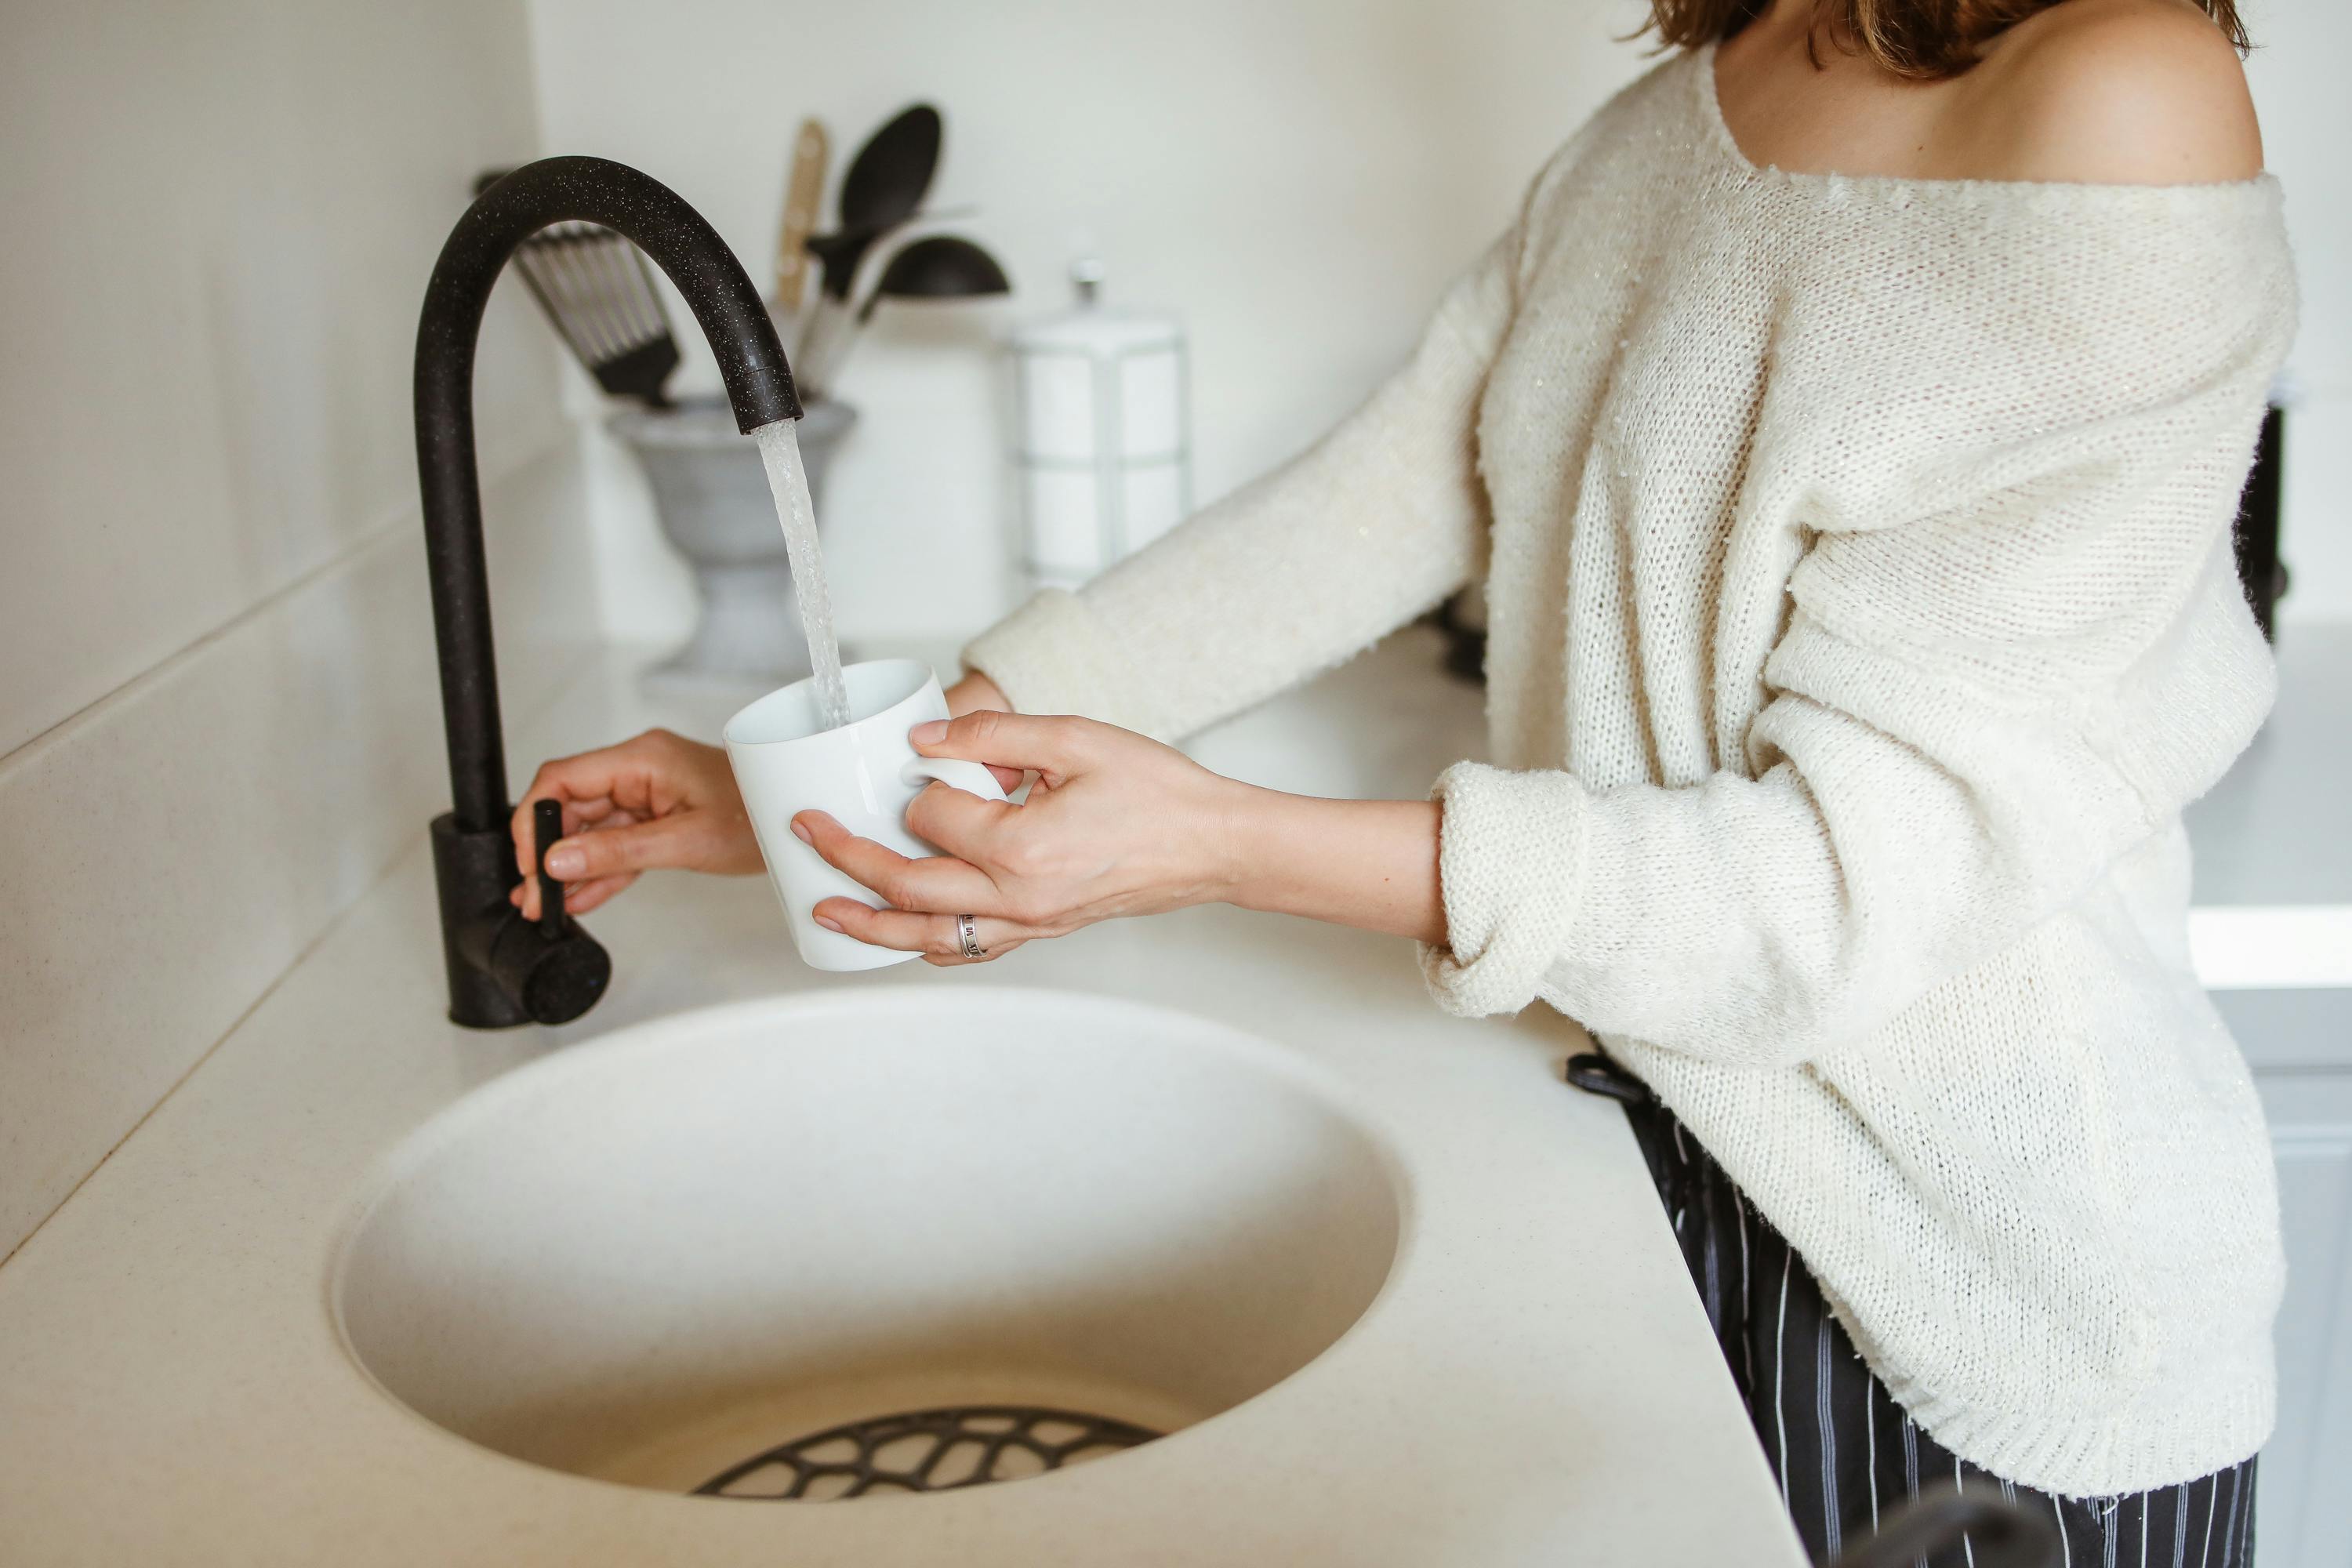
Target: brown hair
<point x="1910" y="38"/>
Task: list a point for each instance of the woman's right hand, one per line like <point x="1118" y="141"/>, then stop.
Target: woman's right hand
<point x="658" y="800"/>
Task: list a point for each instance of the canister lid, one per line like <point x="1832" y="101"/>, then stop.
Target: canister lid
<point x="1094" y="328"/>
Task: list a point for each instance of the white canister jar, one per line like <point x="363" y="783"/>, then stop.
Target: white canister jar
<point x="1103" y="456"/>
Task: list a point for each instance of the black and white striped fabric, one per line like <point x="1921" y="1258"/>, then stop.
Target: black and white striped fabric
<point x="1842" y="1449"/>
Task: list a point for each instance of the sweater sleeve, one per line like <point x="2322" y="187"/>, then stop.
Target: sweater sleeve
<point x="2013" y="653"/>
<point x="1380" y="520"/>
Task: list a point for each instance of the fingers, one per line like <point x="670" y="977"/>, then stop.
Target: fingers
<point x="644" y="776"/>
<point x="935" y="883"/>
<point x="957" y="821"/>
<point x="596" y="864"/>
<point x="600" y="862"/>
<point x="1055" y="747"/>
<point x="935" y="936"/>
<point x="579" y="898"/>
<point x="640" y="846"/>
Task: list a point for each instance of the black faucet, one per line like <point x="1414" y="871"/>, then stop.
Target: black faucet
<point x="505" y="970"/>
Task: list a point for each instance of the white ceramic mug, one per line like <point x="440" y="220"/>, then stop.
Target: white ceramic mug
<point x="862" y="775"/>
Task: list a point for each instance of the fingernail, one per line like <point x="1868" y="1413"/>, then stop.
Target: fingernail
<point x="565" y="861"/>
<point x="830" y="923"/>
<point x="929" y="733"/>
<point x="802" y="833"/>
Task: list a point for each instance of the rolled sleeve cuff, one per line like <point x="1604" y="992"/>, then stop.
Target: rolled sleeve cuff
<point x="1511" y="859"/>
<point x="1051" y="656"/>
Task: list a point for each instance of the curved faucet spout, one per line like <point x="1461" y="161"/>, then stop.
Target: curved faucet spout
<point x="484" y="993"/>
<point x="750" y="360"/>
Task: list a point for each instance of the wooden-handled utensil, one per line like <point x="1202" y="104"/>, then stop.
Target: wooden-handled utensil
<point x="883" y="186"/>
<point x="803" y="194"/>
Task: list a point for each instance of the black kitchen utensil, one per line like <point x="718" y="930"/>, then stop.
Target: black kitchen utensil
<point x="938" y="267"/>
<point x="910" y="261"/>
<point x="598" y="291"/>
<point x="839" y="253"/>
<point x="941" y="268"/>
<point x="888" y="177"/>
<point x="886" y="182"/>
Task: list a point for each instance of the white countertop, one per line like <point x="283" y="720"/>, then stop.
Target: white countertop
<point x="172" y="1389"/>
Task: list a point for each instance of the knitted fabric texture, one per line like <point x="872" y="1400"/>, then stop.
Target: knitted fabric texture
<point x="1862" y="617"/>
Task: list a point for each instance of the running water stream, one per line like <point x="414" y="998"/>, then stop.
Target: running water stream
<point x="779" y="451"/>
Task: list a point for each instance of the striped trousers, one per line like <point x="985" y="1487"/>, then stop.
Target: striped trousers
<point x="1840" y="1447"/>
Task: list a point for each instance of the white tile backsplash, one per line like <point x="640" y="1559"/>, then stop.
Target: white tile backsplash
<point x="220" y="222"/>
<point x="166" y="854"/>
<point x="218" y="709"/>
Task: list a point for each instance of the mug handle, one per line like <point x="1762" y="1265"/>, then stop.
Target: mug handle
<point x="957" y="773"/>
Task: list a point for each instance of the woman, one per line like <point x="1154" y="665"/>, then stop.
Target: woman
<point x="1848" y="433"/>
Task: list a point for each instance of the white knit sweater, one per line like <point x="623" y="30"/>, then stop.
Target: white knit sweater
<point x="1863" y="616"/>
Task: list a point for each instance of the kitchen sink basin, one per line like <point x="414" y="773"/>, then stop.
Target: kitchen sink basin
<point x="653" y="1257"/>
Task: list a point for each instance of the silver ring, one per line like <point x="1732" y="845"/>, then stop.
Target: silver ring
<point x="970" y="933"/>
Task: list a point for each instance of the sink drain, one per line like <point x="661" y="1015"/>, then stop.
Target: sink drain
<point x="925" y="1451"/>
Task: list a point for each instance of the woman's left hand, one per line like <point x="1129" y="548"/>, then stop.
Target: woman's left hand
<point x="1116" y="824"/>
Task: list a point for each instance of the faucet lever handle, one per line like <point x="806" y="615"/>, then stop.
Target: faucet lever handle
<point x="546" y="828"/>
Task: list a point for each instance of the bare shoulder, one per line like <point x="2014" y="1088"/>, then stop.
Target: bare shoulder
<point x="2108" y="92"/>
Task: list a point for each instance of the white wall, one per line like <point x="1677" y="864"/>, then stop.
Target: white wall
<point x="218" y="720"/>
<point x="1298" y="179"/>
<point x="2297" y="71"/>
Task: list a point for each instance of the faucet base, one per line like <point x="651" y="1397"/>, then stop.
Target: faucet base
<point x="503" y="969"/>
<point x="472" y="872"/>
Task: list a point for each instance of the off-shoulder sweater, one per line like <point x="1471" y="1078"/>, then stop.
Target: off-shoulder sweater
<point x="1862" y="617"/>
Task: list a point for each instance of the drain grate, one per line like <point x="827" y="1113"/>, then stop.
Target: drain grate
<point x="925" y="1451"/>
